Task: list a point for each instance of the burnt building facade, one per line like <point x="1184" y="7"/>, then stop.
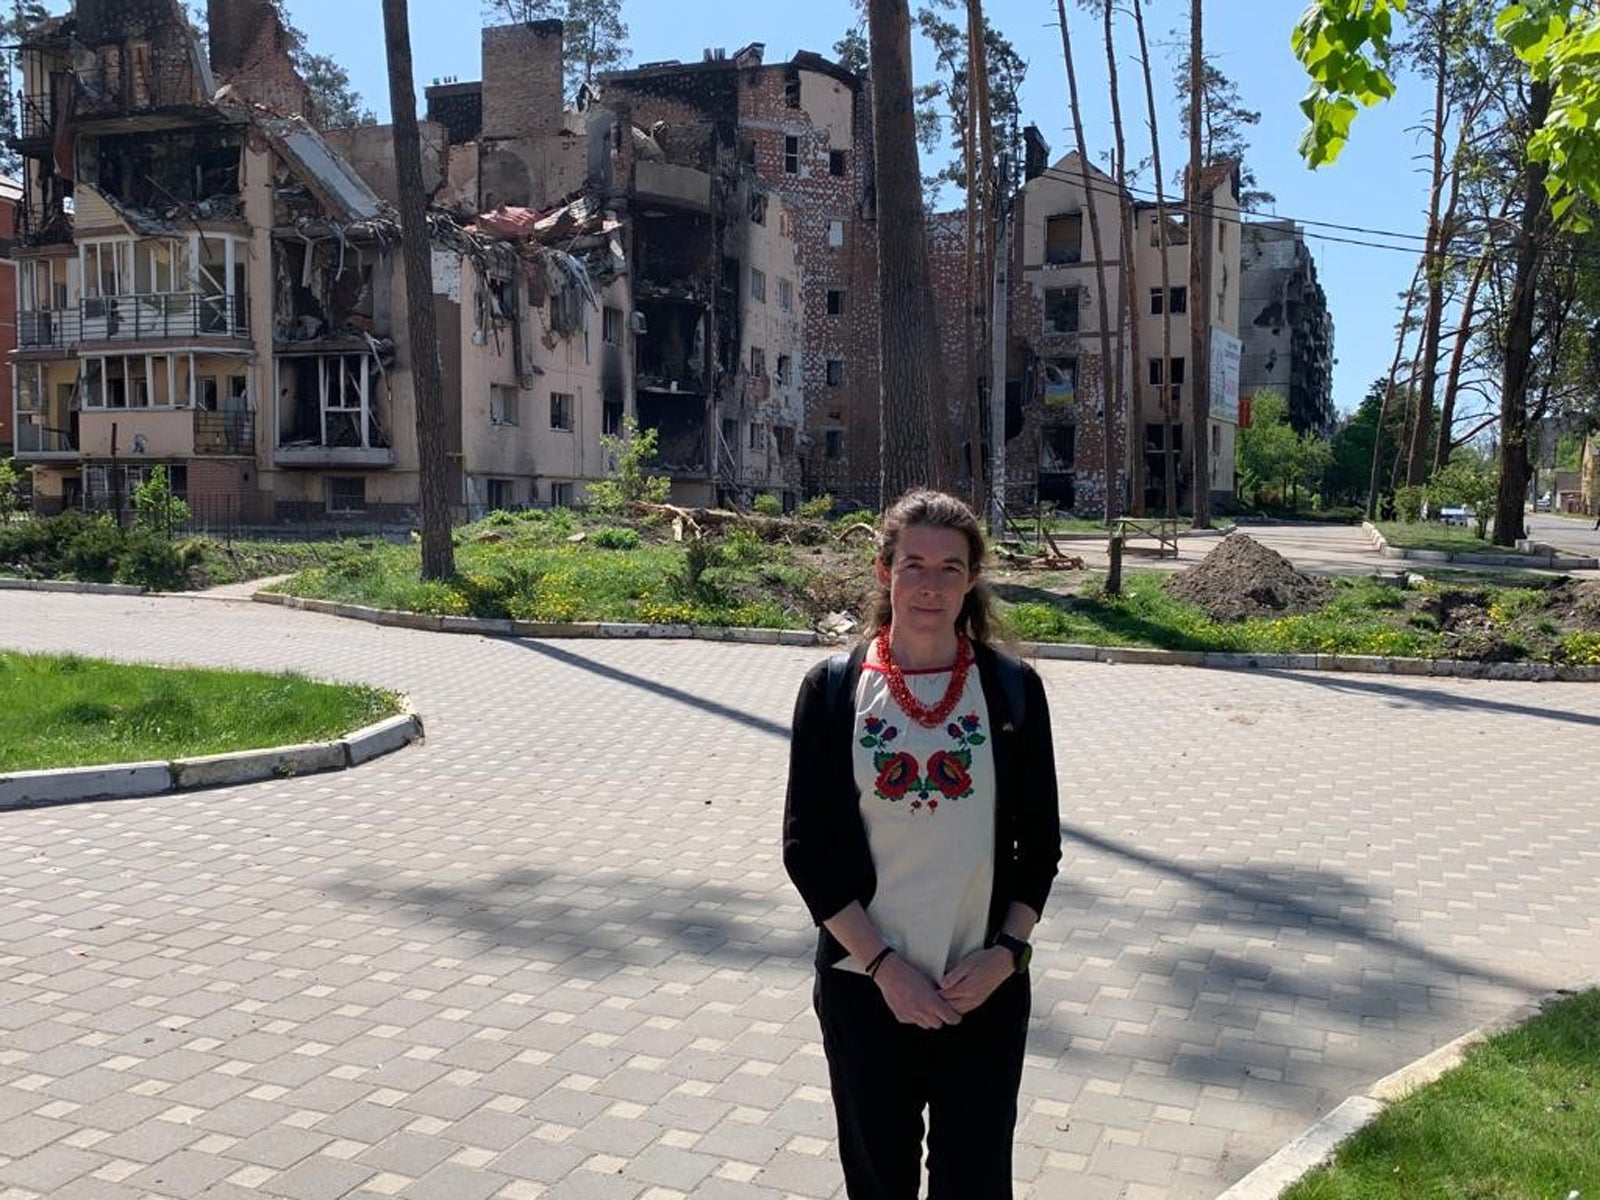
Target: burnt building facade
<point x="1285" y="324"/>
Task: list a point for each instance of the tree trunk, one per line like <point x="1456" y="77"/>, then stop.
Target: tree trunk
<point x="1123" y="388"/>
<point x="983" y="197"/>
<point x="908" y="341"/>
<point x="438" y="559"/>
<point x="1433" y="315"/>
<point x="1388" y="393"/>
<point x="1199" y="280"/>
<point x="1168" y="415"/>
<point x="1531" y="232"/>
<point x="1458" y="358"/>
<point x="1103" y="308"/>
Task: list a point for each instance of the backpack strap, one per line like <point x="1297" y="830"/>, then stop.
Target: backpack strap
<point x="1013" y="686"/>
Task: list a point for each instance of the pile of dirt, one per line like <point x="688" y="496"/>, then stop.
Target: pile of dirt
<point x="1241" y="579"/>
<point x="1575" y="603"/>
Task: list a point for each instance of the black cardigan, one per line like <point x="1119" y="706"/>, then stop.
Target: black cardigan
<point x="825" y="841"/>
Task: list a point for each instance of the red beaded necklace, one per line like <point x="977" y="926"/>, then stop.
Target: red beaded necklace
<point x="923" y="714"/>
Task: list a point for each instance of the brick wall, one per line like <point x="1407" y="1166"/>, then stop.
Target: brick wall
<point x="522" y="89"/>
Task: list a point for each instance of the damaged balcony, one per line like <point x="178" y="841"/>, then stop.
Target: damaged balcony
<point x="332" y="411"/>
<point x="680" y="423"/>
<point x="45" y="417"/>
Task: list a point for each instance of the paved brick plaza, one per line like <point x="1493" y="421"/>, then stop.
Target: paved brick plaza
<point x="552" y="952"/>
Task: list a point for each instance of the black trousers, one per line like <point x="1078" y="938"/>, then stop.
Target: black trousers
<point x="884" y="1074"/>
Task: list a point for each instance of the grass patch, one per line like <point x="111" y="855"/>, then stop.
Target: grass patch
<point x="527" y="566"/>
<point x="72" y="712"/>
<point x="1516" y="1121"/>
<point x="1363" y="617"/>
<point x="1429" y="535"/>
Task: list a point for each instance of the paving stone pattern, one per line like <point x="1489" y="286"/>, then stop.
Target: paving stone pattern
<point x="552" y="953"/>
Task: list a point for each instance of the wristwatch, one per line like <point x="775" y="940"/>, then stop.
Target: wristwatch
<point x="1021" y="952"/>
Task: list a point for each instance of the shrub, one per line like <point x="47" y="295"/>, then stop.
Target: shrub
<point x="767" y="505"/>
<point x="92" y="554"/>
<point x="612" y="538"/>
<point x="155" y="508"/>
<point x="148" y="559"/>
<point x="862" y="516"/>
<point x="10" y="489"/>
<point x="628" y="483"/>
<point x="818" y="508"/>
<point x="1408" y="503"/>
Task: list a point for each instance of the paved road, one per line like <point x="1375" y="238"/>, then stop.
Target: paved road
<point x="552" y="953"/>
<point x="1567" y="533"/>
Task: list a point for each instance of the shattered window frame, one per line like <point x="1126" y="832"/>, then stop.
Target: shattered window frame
<point x="346" y="494"/>
<point x="1062" y="309"/>
<point x="838" y="163"/>
<point x="833" y="443"/>
<point x="836" y="302"/>
<point x="758" y="285"/>
<point x="503" y="405"/>
<point x="785" y="294"/>
<point x="611" y="325"/>
<point x="562" y="406"/>
<point x="758" y="361"/>
<point x="834" y="372"/>
<point x="785" y="373"/>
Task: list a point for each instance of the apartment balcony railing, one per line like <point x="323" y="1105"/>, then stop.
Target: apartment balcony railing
<point x="34" y="121"/>
<point x="34" y="439"/>
<point x="229" y="432"/>
<point x="132" y="319"/>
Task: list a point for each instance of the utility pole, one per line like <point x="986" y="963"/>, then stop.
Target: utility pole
<point x="438" y="558"/>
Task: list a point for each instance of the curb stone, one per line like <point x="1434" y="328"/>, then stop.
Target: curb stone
<point x="121" y="781"/>
<point x="1067" y="651"/>
<point x="1549" y="560"/>
<point x="7" y="584"/>
<point x="1317" y="1144"/>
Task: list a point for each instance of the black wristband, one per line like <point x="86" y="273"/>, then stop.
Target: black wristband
<point x="872" y="967"/>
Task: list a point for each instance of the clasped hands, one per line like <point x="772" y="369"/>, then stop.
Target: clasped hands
<point x="916" y="1000"/>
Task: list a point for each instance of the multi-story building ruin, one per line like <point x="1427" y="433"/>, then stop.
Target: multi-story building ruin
<point x="1066" y="434"/>
<point x="1285" y="324"/>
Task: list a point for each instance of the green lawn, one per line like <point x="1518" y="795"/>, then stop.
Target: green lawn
<point x="1516" y="1121"/>
<point x="1430" y="535"/>
<point x="1363" y="617"/>
<point x="525" y="566"/>
<point x="70" y="712"/>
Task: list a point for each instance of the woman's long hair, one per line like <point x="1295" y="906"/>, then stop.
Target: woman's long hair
<point x="935" y="510"/>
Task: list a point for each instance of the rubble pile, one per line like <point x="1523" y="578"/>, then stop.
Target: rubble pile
<point x="1242" y="579"/>
<point x="1575" y="603"/>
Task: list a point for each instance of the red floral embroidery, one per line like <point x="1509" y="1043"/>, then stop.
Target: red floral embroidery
<point x="897" y="776"/>
<point x="949" y="774"/>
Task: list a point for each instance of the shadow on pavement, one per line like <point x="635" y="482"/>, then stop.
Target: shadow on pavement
<point x="1401" y="695"/>
<point x="655" y="687"/>
<point x="593" y="925"/>
<point x="1347" y="965"/>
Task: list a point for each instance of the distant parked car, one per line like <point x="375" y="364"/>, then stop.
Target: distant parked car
<point x="1542" y="504"/>
<point x="1461" y="515"/>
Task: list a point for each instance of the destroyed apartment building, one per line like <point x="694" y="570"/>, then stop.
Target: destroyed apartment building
<point x="210" y="284"/>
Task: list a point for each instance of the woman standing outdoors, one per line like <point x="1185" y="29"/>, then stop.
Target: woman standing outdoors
<point x="922" y="831"/>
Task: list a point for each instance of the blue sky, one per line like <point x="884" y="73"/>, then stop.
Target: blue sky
<point x="1376" y="184"/>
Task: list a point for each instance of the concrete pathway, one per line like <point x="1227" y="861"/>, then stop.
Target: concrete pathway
<point x="552" y="953"/>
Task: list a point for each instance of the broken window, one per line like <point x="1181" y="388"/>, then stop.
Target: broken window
<point x="1061" y="310"/>
<point x="833" y="443"/>
<point x="758" y="436"/>
<point x="838" y="162"/>
<point x="758" y="285"/>
<point x="835" y="302"/>
<point x="561" y="406"/>
<point x="560" y="495"/>
<point x="501" y="494"/>
<point x="1058" y="449"/>
<point x="786" y="295"/>
<point x="611" y="326"/>
<point x="785" y="369"/>
<point x="1063" y="238"/>
<point x="330" y="400"/>
<point x="1060" y="381"/>
<point x="730" y="431"/>
<point x="758" y="208"/>
<point x="791" y="156"/>
<point x="791" y="89"/>
<point x="502" y="404"/>
<point x="835" y="372"/>
<point x="611" y="418"/>
<point x="785" y="437"/>
<point x="1156" y="373"/>
<point x="346" y="493"/>
<point x="758" y="361"/>
<point x="1177" y="301"/>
